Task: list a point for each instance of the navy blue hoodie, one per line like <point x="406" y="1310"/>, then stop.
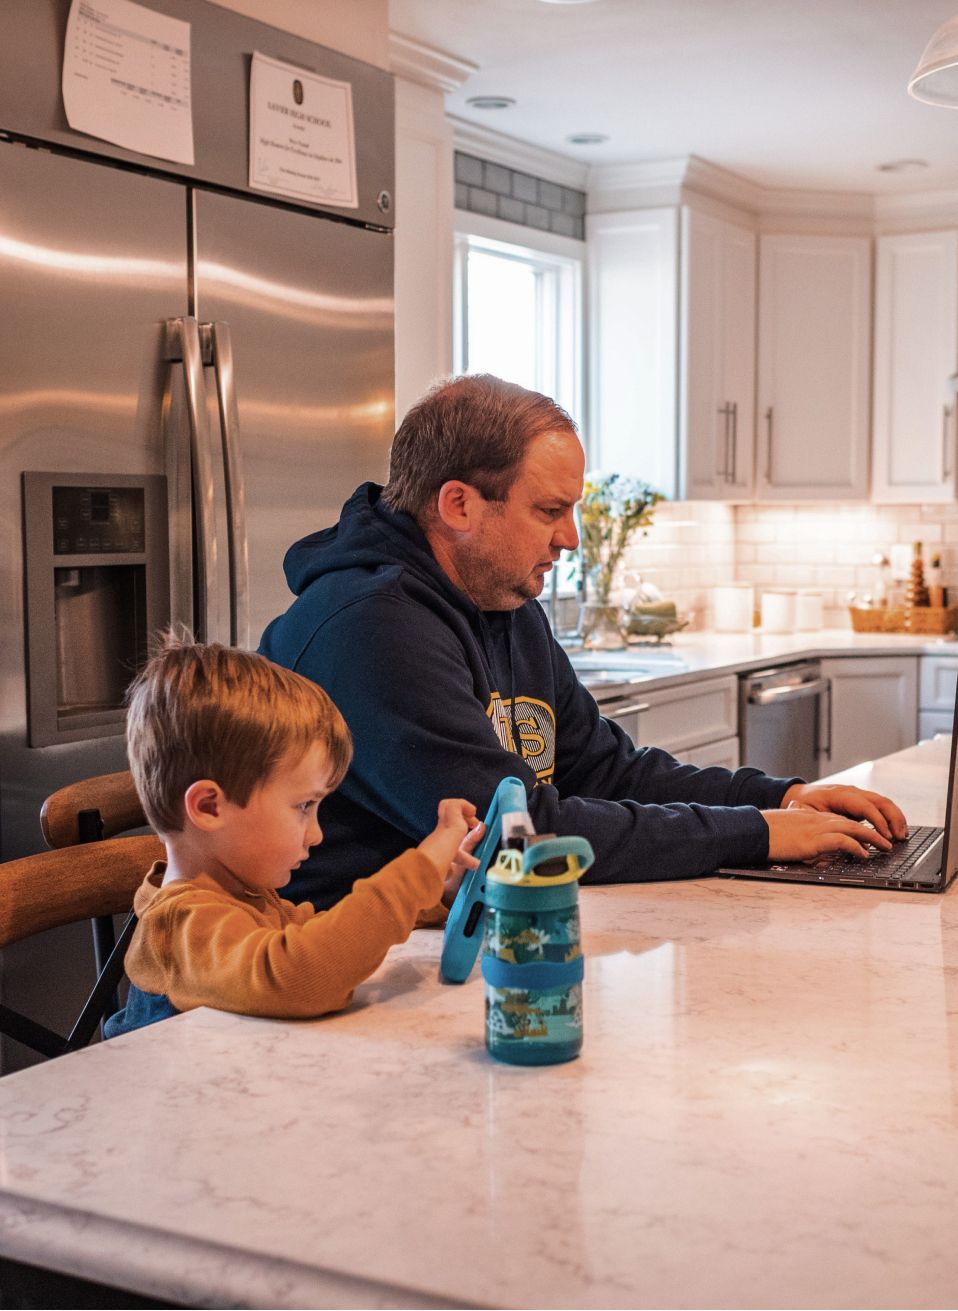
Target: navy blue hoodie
<point x="437" y="693"/>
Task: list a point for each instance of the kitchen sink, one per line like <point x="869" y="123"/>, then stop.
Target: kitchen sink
<point x="615" y="677"/>
<point x="647" y="660"/>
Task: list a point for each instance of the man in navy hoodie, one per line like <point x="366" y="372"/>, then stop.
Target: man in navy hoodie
<point x="417" y="614"/>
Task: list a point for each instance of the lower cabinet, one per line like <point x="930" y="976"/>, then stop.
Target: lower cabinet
<point x="695" y="722"/>
<point x="872" y="710"/>
<point x="937" y="685"/>
<point x="725" y="752"/>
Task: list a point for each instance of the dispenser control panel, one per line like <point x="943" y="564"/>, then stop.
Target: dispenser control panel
<point x="91" y="520"/>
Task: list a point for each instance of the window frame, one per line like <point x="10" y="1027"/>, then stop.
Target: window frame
<point x="563" y="260"/>
<point x="559" y="263"/>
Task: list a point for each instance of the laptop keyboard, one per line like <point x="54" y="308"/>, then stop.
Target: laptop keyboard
<point x="883" y="864"/>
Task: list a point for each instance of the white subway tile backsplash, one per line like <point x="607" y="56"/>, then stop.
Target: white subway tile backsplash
<point x="692" y="546"/>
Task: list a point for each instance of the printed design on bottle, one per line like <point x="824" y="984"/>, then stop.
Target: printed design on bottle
<point x="535" y="726"/>
<point x="521" y="938"/>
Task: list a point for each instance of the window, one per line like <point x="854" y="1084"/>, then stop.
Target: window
<point x="518" y="315"/>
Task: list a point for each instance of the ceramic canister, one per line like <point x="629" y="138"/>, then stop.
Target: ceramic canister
<point x="778" y="610"/>
<point x="732" y="607"/>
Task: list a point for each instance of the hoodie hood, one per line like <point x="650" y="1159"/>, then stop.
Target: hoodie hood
<point x="370" y="537"/>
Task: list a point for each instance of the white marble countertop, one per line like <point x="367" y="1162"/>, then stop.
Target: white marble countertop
<point x="692" y="656"/>
<point x="765" y="1114"/>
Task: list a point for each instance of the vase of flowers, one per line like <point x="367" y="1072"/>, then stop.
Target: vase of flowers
<point x="611" y="511"/>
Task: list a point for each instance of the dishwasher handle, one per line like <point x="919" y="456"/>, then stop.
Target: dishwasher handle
<point x="790" y="692"/>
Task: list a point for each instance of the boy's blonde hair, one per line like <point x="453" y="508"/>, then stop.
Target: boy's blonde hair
<point x="210" y="711"/>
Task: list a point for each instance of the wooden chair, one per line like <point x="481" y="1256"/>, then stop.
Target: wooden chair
<point x="90" y="874"/>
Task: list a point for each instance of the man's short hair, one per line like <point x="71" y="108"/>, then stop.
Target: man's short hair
<point x="210" y="711"/>
<point x="475" y="428"/>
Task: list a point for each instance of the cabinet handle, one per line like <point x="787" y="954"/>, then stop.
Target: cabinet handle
<point x="825" y="722"/>
<point x="635" y="708"/>
<point x="945" y="462"/>
<point x="722" y="470"/>
<point x="768" y="445"/>
<point x="733" y="476"/>
<point x="789" y="692"/>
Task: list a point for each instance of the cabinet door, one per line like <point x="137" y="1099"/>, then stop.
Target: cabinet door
<point x="633" y="326"/>
<point x="678" y="719"/>
<point x="938" y="684"/>
<point x="933" y="722"/>
<point x="814" y="303"/>
<point x="724" y="753"/>
<point x="872" y="710"/>
<point x="916" y="354"/>
<point x="717" y="361"/>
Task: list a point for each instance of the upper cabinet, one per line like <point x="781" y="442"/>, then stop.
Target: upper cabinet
<point x="672" y="348"/>
<point x="812" y="425"/>
<point x="717" y="359"/>
<point x="633" y="293"/>
<point x="916" y="356"/>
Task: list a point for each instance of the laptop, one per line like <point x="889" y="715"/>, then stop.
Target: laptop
<point x="926" y="861"/>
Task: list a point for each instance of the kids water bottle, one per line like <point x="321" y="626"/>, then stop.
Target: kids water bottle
<point x="532" y="960"/>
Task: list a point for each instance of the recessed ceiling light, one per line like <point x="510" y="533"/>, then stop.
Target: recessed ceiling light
<point x="568" y="2"/>
<point x="490" y="102"/>
<point x="586" y="138"/>
<point x="901" y="165"/>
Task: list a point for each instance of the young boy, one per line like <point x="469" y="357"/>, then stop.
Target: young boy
<point x="231" y="756"/>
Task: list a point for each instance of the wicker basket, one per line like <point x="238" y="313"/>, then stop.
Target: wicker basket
<point x="931" y="620"/>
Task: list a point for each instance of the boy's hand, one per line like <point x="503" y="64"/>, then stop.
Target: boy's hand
<point x="461" y="861"/>
<point x="450" y="844"/>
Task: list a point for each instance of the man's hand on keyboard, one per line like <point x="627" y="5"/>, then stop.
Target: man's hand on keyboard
<point x="803" y="832"/>
<point x="856" y="803"/>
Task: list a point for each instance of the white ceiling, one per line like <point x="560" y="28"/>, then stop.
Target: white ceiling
<point x="786" y="93"/>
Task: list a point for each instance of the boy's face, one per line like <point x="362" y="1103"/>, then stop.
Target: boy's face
<point x="261" y="843"/>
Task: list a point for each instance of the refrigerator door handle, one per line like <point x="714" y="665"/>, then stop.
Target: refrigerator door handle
<point x="183" y="347"/>
<point x="222" y="355"/>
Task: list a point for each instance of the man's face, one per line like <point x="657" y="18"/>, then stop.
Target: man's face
<point x="504" y="561"/>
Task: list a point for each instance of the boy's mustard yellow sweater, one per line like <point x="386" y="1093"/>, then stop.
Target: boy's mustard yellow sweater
<point x="261" y="955"/>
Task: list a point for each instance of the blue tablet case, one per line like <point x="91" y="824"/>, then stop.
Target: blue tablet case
<point x="463" y="935"/>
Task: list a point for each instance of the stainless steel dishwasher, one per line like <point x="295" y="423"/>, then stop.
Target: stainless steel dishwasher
<point x="784" y="719"/>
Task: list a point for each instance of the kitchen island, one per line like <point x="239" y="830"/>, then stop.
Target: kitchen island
<point x="764" y="1114"/>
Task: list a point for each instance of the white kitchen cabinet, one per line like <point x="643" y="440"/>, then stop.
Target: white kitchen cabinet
<point x="633" y="281"/>
<point x="696" y="722"/>
<point x="937" y="686"/>
<point x="871" y="710"/>
<point x="725" y="752"/>
<point x="916" y="353"/>
<point x="814" y="341"/>
<point x="717" y="359"/>
<point x="672" y="351"/>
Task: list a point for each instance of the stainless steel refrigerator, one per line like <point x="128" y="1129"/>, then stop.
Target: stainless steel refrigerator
<point x="193" y="375"/>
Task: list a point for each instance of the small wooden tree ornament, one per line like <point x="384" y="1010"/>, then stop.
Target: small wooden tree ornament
<point x="916" y="593"/>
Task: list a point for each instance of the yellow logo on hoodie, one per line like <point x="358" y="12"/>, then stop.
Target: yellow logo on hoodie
<point x="535" y="727"/>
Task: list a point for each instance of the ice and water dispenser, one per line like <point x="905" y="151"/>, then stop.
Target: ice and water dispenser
<point x="97" y="587"/>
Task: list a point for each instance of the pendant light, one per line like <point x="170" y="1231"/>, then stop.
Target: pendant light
<point x="935" y="80"/>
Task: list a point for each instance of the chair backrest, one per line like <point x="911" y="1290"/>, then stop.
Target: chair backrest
<point x="76" y="883"/>
<point x="112" y="796"/>
<point x="91" y="874"/>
